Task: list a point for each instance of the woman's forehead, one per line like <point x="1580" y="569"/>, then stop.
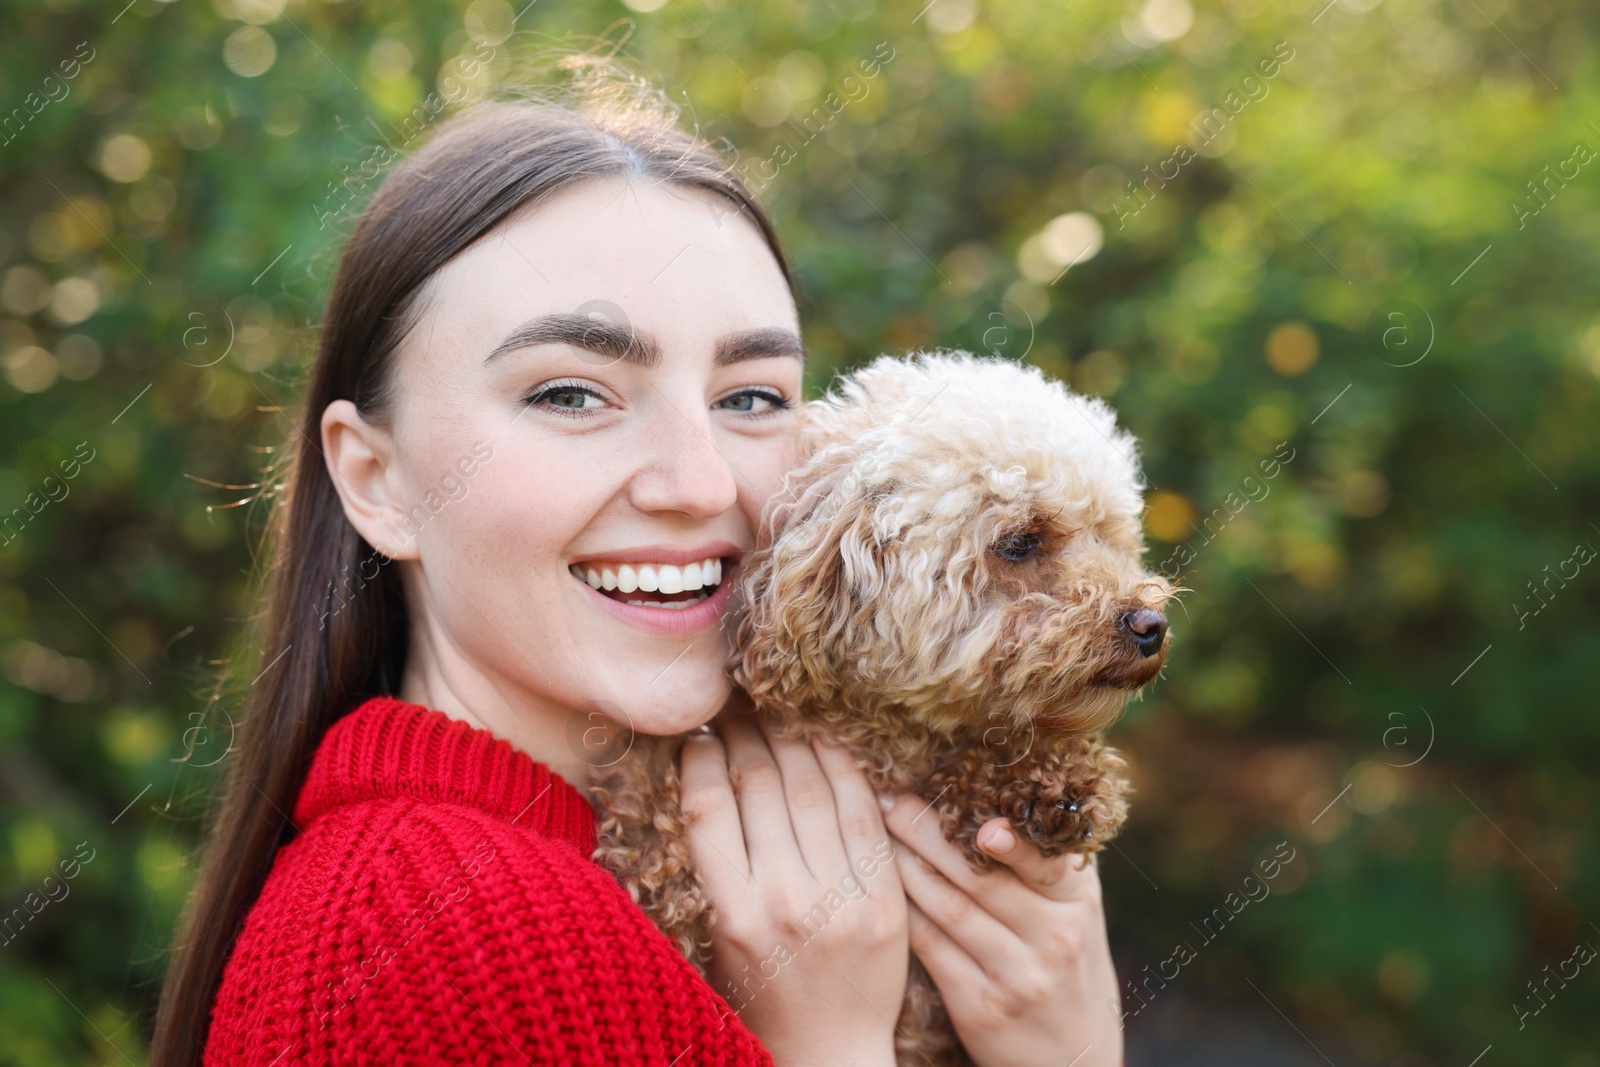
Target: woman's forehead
<point x="660" y="250"/>
<point x="651" y="259"/>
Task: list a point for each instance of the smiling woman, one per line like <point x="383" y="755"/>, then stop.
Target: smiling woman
<point x="424" y="724"/>
<point x="588" y="295"/>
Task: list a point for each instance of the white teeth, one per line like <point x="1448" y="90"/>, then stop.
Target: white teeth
<point x="669" y="579"/>
<point x="652" y="577"/>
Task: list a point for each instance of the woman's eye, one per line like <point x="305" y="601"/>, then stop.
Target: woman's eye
<point x="567" y="398"/>
<point x="753" y="402"/>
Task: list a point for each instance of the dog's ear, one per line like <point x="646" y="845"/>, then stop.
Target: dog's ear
<point x="807" y="597"/>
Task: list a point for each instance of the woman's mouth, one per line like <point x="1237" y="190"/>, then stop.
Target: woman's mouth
<point x="663" y="586"/>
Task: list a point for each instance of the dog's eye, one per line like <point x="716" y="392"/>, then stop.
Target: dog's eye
<point x="1017" y="547"/>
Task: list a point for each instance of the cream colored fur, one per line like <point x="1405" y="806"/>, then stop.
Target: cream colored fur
<point x="881" y="613"/>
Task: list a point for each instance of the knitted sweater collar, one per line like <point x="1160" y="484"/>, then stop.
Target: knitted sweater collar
<point x="390" y="749"/>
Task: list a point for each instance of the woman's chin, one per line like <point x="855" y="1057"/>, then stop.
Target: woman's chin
<point x="663" y="708"/>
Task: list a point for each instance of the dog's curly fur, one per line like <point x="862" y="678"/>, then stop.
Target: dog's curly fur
<point x="885" y="613"/>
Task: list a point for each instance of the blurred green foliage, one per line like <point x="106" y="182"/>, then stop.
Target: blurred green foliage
<point x="1343" y="266"/>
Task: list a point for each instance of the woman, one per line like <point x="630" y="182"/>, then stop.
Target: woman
<point x="562" y="339"/>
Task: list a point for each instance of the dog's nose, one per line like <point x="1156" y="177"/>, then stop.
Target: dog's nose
<point x="1147" y="628"/>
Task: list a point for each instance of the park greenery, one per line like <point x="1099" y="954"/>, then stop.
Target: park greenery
<point x="1355" y="244"/>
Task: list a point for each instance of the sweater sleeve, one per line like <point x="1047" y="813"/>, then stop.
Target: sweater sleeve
<point x="431" y="934"/>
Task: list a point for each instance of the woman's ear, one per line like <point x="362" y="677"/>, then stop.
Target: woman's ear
<point x="361" y="461"/>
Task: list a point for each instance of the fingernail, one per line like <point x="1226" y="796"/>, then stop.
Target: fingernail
<point x="886" y="802"/>
<point x="1001" y="841"/>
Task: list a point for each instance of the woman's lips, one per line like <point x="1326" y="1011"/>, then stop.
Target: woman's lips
<point x="665" y="578"/>
<point x="701" y="608"/>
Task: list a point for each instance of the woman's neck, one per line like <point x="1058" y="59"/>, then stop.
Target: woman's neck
<point x="532" y="726"/>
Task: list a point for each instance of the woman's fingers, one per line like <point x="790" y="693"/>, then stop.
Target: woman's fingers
<point x="866" y="840"/>
<point x="948" y="964"/>
<point x="812" y="810"/>
<point x="1068" y="877"/>
<point x="961" y="919"/>
<point x="764" y="810"/>
<point x="716" y="836"/>
<point x="916" y="822"/>
<point x="1007" y="893"/>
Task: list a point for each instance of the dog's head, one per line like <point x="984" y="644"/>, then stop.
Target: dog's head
<point x="966" y="535"/>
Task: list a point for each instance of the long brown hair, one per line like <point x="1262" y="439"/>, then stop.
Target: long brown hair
<point x="483" y="163"/>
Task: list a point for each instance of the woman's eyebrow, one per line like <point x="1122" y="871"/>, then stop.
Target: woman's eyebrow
<point x="757" y="344"/>
<point x="618" y="341"/>
<point x="622" y="342"/>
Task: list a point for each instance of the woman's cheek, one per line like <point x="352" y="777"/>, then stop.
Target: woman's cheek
<point x="523" y="523"/>
<point x="778" y="456"/>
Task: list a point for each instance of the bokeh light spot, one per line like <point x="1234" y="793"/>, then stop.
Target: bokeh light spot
<point x="1292" y="349"/>
<point x="1168" y="515"/>
<point x="124" y="158"/>
<point x="249" y="51"/>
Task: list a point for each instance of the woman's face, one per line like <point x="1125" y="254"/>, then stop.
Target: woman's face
<point x="606" y="384"/>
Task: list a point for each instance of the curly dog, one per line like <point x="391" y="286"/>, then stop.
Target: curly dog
<point x="952" y="589"/>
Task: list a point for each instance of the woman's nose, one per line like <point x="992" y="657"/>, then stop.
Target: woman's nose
<point x="684" y="469"/>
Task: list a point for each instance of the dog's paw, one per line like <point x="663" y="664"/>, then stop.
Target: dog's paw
<point x="1046" y="815"/>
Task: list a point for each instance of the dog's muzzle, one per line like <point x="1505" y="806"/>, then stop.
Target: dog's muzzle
<point x="1136" y="652"/>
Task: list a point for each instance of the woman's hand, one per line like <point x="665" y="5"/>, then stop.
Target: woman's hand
<point x="810" y="940"/>
<point x="1019" y="954"/>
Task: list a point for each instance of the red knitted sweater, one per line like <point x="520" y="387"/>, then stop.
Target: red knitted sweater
<point x="438" y="906"/>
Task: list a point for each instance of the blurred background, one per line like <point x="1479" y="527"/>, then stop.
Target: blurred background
<point x="1335" y="263"/>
